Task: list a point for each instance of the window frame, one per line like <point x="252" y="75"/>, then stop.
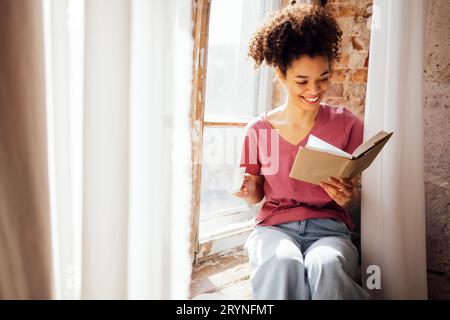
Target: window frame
<point x="204" y="250"/>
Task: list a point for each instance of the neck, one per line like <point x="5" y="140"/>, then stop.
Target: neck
<point x="299" y="115"/>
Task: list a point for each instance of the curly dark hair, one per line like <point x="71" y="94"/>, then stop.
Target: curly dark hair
<point x="292" y="31"/>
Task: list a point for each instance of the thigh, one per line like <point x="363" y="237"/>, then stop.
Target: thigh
<point x="268" y="242"/>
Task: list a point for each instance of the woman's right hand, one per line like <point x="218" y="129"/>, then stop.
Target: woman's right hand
<point x="251" y="190"/>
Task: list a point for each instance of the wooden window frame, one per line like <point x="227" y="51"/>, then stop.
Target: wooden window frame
<point x="200" y="15"/>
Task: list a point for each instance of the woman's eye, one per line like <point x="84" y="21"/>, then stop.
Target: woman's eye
<point x="303" y="83"/>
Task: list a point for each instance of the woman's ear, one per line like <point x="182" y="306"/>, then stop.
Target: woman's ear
<point x="330" y="66"/>
<point x="280" y="75"/>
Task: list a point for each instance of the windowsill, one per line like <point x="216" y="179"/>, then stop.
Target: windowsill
<point x="225" y="222"/>
<point x="222" y="242"/>
<point x="231" y="233"/>
<point x="226" y="277"/>
<point x="227" y="231"/>
<point x="222" y="213"/>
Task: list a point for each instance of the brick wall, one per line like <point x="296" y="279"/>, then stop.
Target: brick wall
<point x="349" y="77"/>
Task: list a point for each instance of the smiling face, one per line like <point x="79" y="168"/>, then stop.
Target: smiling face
<point x="306" y="80"/>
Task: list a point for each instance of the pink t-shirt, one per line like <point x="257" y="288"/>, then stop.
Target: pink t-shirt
<point x="266" y="153"/>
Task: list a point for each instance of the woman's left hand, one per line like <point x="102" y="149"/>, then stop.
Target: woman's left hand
<point x="343" y="191"/>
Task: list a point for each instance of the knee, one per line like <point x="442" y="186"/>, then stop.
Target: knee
<point x="282" y="253"/>
<point x="288" y="263"/>
<point x="282" y="266"/>
<point x="323" y="263"/>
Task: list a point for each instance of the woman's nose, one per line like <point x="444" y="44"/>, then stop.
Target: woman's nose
<point x="314" y="88"/>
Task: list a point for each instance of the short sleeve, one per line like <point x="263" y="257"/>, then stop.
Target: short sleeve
<point x="355" y="136"/>
<point x="249" y="153"/>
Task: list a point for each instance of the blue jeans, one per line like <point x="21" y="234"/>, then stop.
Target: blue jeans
<point x="309" y="259"/>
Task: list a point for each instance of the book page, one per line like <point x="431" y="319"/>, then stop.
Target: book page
<point x="317" y="144"/>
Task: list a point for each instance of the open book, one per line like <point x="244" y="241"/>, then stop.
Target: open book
<point x="319" y="160"/>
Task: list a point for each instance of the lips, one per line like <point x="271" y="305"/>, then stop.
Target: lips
<point x="311" y="100"/>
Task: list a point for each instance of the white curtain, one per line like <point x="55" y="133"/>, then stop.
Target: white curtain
<point x="118" y="87"/>
<point x="393" y="203"/>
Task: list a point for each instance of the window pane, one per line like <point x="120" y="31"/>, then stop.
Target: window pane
<point x="221" y="152"/>
<point x="221" y="155"/>
<point x="232" y="86"/>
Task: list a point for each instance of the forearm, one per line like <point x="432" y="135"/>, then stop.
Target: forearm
<point x="256" y="196"/>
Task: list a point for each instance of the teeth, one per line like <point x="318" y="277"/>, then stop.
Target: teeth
<point x="312" y="99"/>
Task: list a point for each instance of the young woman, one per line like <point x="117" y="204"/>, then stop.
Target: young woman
<point x="301" y="245"/>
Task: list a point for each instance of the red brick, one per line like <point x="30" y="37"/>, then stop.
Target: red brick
<point x="335" y="90"/>
<point x="339" y="75"/>
<point x="342" y="9"/>
<point x="359" y="76"/>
